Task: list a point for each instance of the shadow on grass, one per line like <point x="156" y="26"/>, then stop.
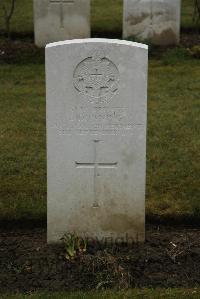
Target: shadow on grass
<point x="184" y="221"/>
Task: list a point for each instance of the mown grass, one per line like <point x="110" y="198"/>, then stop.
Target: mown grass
<point x="23" y="158"/>
<point x="106" y="17"/>
<point x="131" y="294"/>
<point x="187" y="15"/>
<point x="173" y="112"/>
<point x="173" y="139"/>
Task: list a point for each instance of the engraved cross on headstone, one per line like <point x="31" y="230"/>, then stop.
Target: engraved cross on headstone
<point x="96" y="166"/>
<point x="99" y="81"/>
<point x="61" y="3"/>
<point x="96" y="73"/>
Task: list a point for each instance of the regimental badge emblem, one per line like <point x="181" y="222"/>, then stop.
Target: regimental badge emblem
<point x="97" y="78"/>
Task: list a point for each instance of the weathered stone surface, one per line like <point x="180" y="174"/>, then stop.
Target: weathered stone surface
<point x="56" y="20"/>
<point x="96" y="138"/>
<point x="157" y="21"/>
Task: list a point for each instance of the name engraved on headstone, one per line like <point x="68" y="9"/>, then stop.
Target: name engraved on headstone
<point x="96" y="166"/>
<point x="97" y="78"/>
<point x="99" y="120"/>
<point x="61" y="3"/>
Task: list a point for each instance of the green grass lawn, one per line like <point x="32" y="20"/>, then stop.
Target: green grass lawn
<point x="23" y="159"/>
<point x="106" y="17"/>
<point x="173" y="113"/>
<point x="173" y="136"/>
<point x="173" y="139"/>
<point x="131" y="294"/>
<point x="187" y="13"/>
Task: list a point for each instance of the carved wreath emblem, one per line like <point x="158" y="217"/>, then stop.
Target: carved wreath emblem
<point x="97" y="77"/>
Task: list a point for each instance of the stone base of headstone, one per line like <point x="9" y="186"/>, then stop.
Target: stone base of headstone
<point x="155" y="21"/>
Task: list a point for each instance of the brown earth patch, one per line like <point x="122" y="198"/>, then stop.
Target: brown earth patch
<point x="190" y="39"/>
<point x="22" y="51"/>
<point x="170" y="257"/>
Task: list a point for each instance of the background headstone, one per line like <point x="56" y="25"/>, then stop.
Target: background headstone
<point x="157" y="21"/>
<point x="56" y="20"/>
<point x="96" y="138"/>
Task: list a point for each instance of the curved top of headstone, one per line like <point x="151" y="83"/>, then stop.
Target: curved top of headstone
<point x="97" y="40"/>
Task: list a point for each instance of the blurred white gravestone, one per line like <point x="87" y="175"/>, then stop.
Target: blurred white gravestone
<point x="96" y="138"/>
<point x="157" y="21"/>
<point x="56" y="20"/>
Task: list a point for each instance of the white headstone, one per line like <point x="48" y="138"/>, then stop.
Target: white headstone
<point x="157" y="21"/>
<point x="96" y="138"/>
<point x="56" y="20"/>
